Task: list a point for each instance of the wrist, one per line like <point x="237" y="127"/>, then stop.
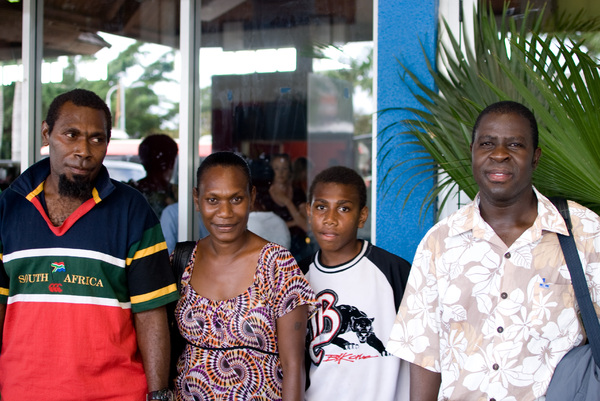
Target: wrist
<point x="161" y="395"/>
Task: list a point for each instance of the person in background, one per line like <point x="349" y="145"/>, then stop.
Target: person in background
<point x="244" y="302"/>
<point x="489" y="308"/>
<point x="169" y="222"/>
<point x="289" y="203"/>
<point x="263" y="222"/>
<point x="157" y="153"/>
<point x="84" y="273"/>
<point x="359" y="287"/>
<point x="300" y="173"/>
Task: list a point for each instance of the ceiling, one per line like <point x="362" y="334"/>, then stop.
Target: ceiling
<point x="71" y="26"/>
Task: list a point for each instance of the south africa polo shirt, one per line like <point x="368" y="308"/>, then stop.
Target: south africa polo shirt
<point x="71" y="291"/>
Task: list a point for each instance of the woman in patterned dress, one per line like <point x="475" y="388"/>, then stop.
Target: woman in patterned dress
<point x="244" y="302"/>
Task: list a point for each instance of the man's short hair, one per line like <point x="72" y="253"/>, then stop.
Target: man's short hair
<point x="224" y="159"/>
<point x="157" y="152"/>
<point x="509" y="107"/>
<point x="81" y="98"/>
<point x="341" y="175"/>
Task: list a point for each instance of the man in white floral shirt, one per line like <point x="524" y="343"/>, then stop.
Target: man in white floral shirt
<point x="489" y="309"/>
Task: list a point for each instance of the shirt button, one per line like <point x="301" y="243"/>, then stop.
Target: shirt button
<point x="500" y="329"/>
<point x="507" y="255"/>
<point x="504" y="295"/>
<point x="495" y="366"/>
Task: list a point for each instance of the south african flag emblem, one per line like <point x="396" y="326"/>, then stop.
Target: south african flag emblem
<point x="58" y="267"/>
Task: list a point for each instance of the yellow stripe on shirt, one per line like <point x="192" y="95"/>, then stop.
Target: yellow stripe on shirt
<point x="138" y="299"/>
<point x="96" y="196"/>
<point x="147" y="252"/>
<point x="35" y="192"/>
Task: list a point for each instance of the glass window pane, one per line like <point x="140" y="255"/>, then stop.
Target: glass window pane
<point x="127" y="53"/>
<point x="11" y="77"/>
<point x="292" y="78"/>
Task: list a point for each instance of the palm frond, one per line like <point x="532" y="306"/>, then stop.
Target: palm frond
<point x="568" y="108"/>
<point x="508" y="60"/>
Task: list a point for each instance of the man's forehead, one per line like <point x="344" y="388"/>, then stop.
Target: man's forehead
<point x="493" y="134"/>
<point x="493" y="123"/>
<point x="74" y="108"/>
<point x="69" y="110"/>
<point x="504" y="115"/>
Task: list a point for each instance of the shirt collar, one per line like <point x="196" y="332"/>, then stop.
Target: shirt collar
<point x="469" y="218"/>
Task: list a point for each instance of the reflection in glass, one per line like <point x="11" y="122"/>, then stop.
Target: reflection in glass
<point x="11" y="76"/>
<point x="276" y="76"/>
<point x="319" y="112"/>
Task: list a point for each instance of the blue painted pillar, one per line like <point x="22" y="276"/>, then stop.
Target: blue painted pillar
<point x="404" y="29"/>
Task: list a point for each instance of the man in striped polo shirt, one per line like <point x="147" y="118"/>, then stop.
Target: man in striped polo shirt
<point x="84" y="272"/>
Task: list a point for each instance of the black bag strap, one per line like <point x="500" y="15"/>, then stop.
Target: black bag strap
<point x="582" y="292"/>
<point x="181" y="256"/>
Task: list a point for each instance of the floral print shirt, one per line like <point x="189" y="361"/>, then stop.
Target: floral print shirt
<point x="495" y="320"/>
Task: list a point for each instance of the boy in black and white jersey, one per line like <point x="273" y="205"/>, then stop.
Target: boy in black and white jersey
<point x="359" y="287"/>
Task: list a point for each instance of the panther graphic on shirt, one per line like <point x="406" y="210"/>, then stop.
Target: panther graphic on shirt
<point x="333" y="320"/>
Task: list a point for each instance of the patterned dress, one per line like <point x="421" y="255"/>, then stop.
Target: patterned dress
<point x="232" y="351"/>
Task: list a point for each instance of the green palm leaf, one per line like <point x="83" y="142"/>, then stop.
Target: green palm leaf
<point x="550" y="74"/>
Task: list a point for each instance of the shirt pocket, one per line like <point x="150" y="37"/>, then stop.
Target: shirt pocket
<point x="553" y="307"/>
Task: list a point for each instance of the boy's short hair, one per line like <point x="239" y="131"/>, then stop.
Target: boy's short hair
<point x="341" y="175"/>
